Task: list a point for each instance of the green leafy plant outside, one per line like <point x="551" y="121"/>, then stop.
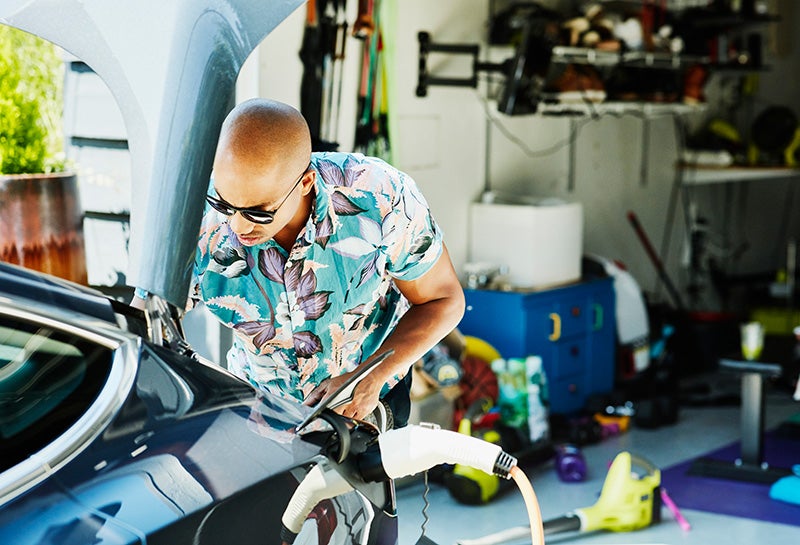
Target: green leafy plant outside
<point x="31" y="104"/>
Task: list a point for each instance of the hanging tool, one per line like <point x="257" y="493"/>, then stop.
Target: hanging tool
<point x="333" y="37"/>
<point x="327" y="53"/>
<point x="369" y="32"/>
<point x="322" y="54"/>
<point x="372" y="127"/>
<point x="311" y="82"/>
<point x="339" y="45"/>
<point x="379" y="141"/>
<point x="365" y="24"/>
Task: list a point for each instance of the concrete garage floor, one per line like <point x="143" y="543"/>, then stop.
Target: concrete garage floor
<point x="698" y="431"/>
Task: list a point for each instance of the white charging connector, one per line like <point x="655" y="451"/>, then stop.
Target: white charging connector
<point x="320" y="483"/>
<point x="413" y="449"/>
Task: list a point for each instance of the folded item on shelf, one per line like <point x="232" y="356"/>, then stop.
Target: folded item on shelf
<point x="708" y="158"/>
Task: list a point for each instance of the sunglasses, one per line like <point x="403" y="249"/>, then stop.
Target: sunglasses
<point x="254" y="215"/>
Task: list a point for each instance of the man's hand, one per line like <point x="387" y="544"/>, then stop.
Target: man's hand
<point x="365" y="395"/>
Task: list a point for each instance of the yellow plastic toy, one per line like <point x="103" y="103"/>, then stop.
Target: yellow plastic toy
<point x="473" y="346"/>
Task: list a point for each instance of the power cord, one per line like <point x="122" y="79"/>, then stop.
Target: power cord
<point x="573" y="135"/>
<point x="594" y="115"/>
<point x="423" y="539"/>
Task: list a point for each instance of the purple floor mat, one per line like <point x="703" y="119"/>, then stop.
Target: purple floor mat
<point x="731" y="497"/>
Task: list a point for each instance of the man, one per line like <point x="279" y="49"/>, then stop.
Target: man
<point x="318" y="262"/>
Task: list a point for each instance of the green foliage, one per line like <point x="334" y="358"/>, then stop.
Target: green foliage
<point x="31" y="104"/>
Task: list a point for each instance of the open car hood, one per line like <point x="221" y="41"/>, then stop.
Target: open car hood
<point x="172" y="67"/>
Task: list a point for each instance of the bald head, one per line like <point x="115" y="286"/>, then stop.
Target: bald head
<point x="266" y="135"/>
<point x="262" y="162"/>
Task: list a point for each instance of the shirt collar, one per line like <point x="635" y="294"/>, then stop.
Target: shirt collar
<point x="322" y="221"/>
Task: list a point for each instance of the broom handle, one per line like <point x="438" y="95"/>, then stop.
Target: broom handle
<point x="662" y="273"/>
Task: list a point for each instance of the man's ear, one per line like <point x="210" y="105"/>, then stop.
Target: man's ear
<point x="309" y="180"/>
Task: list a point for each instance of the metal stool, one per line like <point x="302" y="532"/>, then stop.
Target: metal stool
<point x="750" y="466"/>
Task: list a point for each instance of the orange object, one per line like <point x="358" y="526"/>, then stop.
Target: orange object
<point x="610" y="421"/>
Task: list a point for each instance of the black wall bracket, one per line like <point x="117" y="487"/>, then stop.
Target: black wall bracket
<point x="425" y="78"/>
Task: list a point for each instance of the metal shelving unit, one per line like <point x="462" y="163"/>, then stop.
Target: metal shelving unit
<point x="644" y="59"/>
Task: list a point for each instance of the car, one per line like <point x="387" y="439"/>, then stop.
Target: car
<point x="106" y="437"/>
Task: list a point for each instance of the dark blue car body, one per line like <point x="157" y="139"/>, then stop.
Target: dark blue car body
<point x="108" y="438"/>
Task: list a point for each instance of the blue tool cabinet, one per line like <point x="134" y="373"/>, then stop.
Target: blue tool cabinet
<point x="572" y="328"/>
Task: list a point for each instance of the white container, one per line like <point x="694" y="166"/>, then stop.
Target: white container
<point x="540" y="242"/>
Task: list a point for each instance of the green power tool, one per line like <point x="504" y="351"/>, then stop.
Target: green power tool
<point x="466" y="484"/>
<point x="628" y="501"/>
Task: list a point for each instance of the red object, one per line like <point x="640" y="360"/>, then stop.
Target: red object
<point x="694" y="84"/>
<point x="651" y="253"/>
<point x="477" y="381"/>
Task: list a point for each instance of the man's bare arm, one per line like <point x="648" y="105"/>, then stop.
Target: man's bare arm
<point x="437" y="306"/>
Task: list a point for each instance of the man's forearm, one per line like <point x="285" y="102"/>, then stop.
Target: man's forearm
<point x="419" y="330"/>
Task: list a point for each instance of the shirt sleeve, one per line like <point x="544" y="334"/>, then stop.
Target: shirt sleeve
<point x="206" y="241"/>
<point x="412" y="238"/>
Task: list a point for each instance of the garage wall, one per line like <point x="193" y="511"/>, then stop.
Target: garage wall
<point x="455" y="144"/>
<point x="442" y="141"/>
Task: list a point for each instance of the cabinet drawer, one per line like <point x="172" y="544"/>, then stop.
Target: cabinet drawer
<point x="571" y="358"/>
<point x="565" y="318"/>
<point x="566" y="395"/>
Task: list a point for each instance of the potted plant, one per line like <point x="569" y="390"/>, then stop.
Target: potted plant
<point x="40" y="212"/>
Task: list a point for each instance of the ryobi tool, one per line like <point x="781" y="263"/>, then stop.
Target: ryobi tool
<point x="627" y="502"/>
<point x="467" y="484"/>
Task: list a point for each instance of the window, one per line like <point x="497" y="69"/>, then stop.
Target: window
<point x="48" y="379"/>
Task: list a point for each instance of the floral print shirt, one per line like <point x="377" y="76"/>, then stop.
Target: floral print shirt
<point x="320" y="309"/>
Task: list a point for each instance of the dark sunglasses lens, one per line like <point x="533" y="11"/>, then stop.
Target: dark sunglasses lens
<point x="218" y="206"/>
<point x="257" y="216"/>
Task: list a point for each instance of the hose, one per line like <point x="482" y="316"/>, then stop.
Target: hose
<point x="536" y="527"/>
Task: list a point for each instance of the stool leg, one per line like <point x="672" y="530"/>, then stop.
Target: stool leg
<point x="752" y="419"/>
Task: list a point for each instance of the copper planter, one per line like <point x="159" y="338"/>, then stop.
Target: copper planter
<point x="41" y="225"/>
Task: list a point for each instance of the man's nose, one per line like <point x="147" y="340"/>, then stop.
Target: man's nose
<point x="239" y="224"/>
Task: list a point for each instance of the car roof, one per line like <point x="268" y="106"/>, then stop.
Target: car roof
<point x="23" y="283"/>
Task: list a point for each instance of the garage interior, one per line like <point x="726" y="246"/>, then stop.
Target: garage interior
<point x="616" y="184"/>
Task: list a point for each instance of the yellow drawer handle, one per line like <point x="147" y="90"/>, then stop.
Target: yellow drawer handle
<point x="556" y="327"/>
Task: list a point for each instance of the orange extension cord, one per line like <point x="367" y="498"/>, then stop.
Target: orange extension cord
<point x="532" y="504"/>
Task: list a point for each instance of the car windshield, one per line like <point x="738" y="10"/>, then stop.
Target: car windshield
<point x="48" y="379"/>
